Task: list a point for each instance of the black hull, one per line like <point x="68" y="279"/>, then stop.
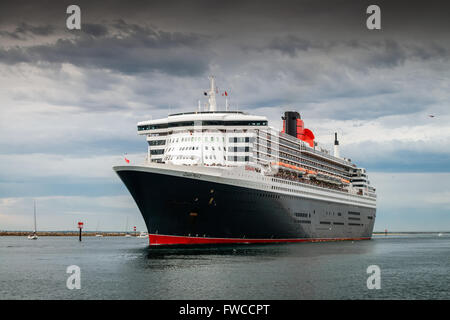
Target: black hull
<point x="187" y="207"/>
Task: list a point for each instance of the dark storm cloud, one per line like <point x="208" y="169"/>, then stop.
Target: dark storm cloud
<point x="325" y="18"/>
<point x="185" y="42"/>
<point x="135" y="49"/>
<point x="159" y="38"/>
<point x="24" y="30"/>
<point x="379" y="53"/>
<point x="390" y="53"/>
<point x="94" y="29"/>
<point x="290" y="44"/>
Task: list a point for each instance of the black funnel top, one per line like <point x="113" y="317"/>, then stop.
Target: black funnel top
<point x="336" y="142"/>
<point x="290" y="122"/>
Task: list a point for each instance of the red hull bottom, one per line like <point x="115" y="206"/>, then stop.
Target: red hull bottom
<point x="157" y="239"/>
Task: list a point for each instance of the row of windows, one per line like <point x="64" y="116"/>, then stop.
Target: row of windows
<point x="325" y="222"/>
<point x="302" y="215"/>
<point x="268" y="195"/>
<point x="329" y="213"/>
<point x="183" y="148"/>
<point x="212" y="148"/>
<point x="207" y="139"/>
<point x="192" y="139"/>
<point x="240" y="139"/>
<point x="233" y="123"/>
<point x="262" y="156"/>
<point x="179" y="158"/>
<point x="157" y="151"/>
<point x="290" y="144"/>
<point x="211" y="157"/>
<point x="152" y="126"/>
<point x="157" y="142"/>
<point x="201" y="123"/>
<point x="303" y="221"/>
<point x="354" y="213"/>
<point x="351" y="218"/>
<point x="265" y="135"/>
<point x="238" y="159"/>
<point x="195" y="148"/>
<point x="207" y="157"/>
<point x="219" y="148"/>
<point x="238" y="149"/>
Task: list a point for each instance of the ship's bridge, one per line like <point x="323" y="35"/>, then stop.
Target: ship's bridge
<point x="225" y="119"/>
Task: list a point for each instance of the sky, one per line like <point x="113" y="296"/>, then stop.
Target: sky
<point x="70" y="99"/>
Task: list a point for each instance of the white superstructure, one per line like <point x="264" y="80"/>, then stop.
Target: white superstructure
<point x="223" y="140"/>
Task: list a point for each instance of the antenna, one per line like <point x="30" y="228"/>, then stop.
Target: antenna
<point x="336" y="146"/>
<point x="212" y="95"/>
<point x="34" y="216"/>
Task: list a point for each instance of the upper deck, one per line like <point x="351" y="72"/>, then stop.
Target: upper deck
<point x="216" y="119"/>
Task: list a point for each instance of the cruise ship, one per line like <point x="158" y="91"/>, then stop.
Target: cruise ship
<point x="218" y="176"/>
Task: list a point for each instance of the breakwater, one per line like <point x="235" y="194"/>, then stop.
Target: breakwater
<point x="64" y="233"/>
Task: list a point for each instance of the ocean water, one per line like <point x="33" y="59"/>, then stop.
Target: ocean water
<point x="411" y="266"/>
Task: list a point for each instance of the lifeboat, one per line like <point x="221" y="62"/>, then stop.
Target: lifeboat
<point x="329" y="179"/>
